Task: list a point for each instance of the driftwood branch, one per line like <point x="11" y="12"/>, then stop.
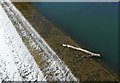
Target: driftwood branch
<point x="81" y="49"/>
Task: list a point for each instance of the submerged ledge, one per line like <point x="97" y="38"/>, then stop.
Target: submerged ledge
<point x="85" y="69"/>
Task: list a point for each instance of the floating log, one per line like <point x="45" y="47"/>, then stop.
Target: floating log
<point x="81" y="49"/>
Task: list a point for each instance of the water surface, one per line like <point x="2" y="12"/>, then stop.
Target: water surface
<point x="94" y="25"/>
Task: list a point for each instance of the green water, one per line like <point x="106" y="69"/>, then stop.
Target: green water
<point x="94" y="25"/>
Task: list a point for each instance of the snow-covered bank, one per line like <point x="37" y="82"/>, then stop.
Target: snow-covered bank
<point x="55" y="69"/>
<point x="16" y="63"/>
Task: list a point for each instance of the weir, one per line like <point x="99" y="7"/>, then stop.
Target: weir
<point x="16" y="62"/>
<point x="55" y="70"/>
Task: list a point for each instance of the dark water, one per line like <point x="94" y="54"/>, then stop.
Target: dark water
<point x="94" y="25"/>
